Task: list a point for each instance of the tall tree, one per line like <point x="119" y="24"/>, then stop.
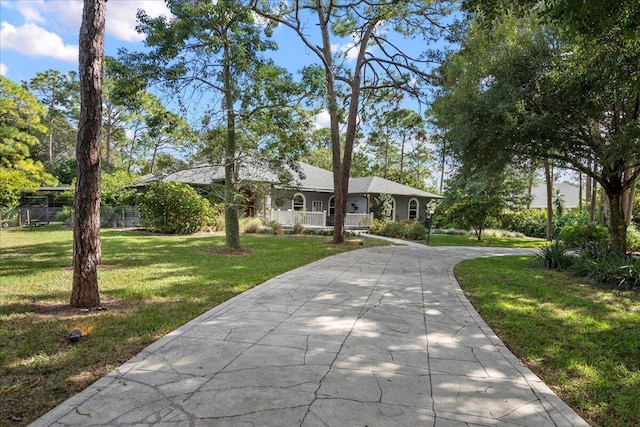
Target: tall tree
<point x="115" y="114"/>
<point x="87" y="250"/>
<point x="399" y="147"/>
<point x="164" y="129"/>
<point x="211" y="53"/>
<point x="60" y="94"/>
<point x="524" y="89"/>
<point x="370" y="66"/>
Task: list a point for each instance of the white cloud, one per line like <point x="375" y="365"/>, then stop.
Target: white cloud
<point x="322" y="120"/>
<point x="350" y="51"/>
<point x="65" y="16"/>
<point x="121" y="17"/>
<point x="32" y="40"/>
<point x="30" y="10"/>
<point x="4" y="70"/>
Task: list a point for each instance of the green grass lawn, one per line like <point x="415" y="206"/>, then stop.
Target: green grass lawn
<point x="472" y="240"/>
<point x="583" y="341"/>
<point x="149" y="284"/>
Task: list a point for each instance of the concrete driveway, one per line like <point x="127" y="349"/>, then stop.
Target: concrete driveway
<point x="375" y="337"/>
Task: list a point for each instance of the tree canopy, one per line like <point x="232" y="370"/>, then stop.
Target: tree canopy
<point x="528" y="85"/>
<point x="21" y="124"/>
<point x="212" y="55"/>
<point x="372" y="67"/>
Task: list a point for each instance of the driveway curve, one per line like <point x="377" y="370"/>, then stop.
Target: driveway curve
<point x="381" y="336"/>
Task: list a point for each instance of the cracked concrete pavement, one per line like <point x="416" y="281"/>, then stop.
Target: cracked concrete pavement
<point x="381" y="336"/>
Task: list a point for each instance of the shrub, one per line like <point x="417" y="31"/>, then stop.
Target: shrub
<point x="416" y="231"/>
<point x="601" y="264"/>
<point x="217" y="217"/>
<point x="382" y="207"/>
<point x="173" y="208"/>
<point x="394" y="229"/>
<point x="554" y="255"/>
<point x="502" y="233"/>
<point x="598" y="263"/>
<point x="530" y="222"/>
<point x="577" y="235"/>
<point x="405" y="229"/>
<point x="276" y="227"/>
<point x="65" y="214"/>
<point x="376" y="226"/>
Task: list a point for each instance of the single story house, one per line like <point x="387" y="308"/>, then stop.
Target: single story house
<point x="309" y="199"/>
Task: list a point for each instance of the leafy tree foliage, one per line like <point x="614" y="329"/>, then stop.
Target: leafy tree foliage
<point x="475" y="197"/>
<point x="20" y="124"/>
<point x="211" y="53"/>
<point x="318" y="153"/>
<point x="399" y="147"/>
<point x="371" y="68"/>
<point x="60" y="94"/>
<point x="526" y="89"/>
<point x="383" y="207"/>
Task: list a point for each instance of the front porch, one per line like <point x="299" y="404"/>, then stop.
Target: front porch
<point x="291" y="217"/>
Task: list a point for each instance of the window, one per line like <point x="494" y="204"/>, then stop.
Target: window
<point x="413" y="208"/>
<point x="332" y="206"/>
<point x="316" y="205"/>
<point x="299" y="202"/>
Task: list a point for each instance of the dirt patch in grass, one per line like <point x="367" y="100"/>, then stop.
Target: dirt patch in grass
<point x="63" y="309"/>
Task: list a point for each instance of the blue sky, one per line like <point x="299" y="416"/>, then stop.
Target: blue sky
<point x="38" y="35"/>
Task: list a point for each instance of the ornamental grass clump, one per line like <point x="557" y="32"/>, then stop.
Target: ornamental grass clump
<point x="554" y="255"/>
<point x="251" y="225"/>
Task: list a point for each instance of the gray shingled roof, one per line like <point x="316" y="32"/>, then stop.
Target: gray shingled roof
<point x="377" y="185"/>
<point x="211" y="174"/>
<point x="313" y="179"/>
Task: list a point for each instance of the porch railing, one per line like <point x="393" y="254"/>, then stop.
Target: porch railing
<point x="307" y="218"/>
<point x="319" y="219"/>
<point x="358" y="220"/>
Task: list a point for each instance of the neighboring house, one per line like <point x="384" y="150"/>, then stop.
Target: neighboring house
<point x="569" y="193"/>
<point x="310" y="199"/>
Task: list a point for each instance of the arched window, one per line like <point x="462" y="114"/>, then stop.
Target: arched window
<point x="299" y="202"/>
<point x="414" y="206"/>
<point x="332" y="206"/>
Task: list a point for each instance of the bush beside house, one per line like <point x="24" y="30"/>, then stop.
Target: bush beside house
<point x="174" y="208"/>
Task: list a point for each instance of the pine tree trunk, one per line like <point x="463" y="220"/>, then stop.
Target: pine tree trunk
<point x="86" y="232"/>
<point x="231" y="222"/>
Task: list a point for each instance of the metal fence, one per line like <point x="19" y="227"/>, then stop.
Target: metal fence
<point x="119" y="217"/>
<point x="33" y="216"/>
